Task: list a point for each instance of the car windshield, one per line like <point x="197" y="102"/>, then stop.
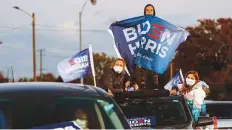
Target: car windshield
<point x="154" y="113"/>
<point x="60" y="112"/>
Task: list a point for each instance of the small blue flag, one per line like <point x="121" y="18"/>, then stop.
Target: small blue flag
<point x="178" y="79"/>
<point x="76" y="67"/>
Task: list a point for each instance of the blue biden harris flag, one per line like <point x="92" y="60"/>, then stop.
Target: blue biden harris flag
<point x="77" y="66"/>
<point x="147" y="41"/>
<point x="176" y="82"/>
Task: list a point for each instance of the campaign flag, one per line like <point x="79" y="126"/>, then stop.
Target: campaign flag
<point x="147" y="41"/>
<point x="177" y="80"/>
<point x="76" y="67"/>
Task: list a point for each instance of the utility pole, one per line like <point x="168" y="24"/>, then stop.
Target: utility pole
<point x="41" y="61"/>
<point x="7" y="74"/>
<point x="33" y="39"/>
<point x="12" y="73"/>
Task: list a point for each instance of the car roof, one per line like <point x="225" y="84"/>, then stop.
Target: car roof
<point x="146" y="94"/>
<point x="49" y="88"/>
<point x="217" y="102"/>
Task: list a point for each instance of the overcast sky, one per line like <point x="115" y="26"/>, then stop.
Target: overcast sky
<point x="57" y="26"/>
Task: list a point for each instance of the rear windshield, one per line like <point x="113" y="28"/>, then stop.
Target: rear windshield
<point x="151" y="114"/>
<point x="60" y="112"/>
<point x="221" y="111"/>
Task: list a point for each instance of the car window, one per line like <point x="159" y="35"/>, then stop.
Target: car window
<point x="152" y="114"/>
<point x="221" y="111"/>
<point x="62" y="112"/>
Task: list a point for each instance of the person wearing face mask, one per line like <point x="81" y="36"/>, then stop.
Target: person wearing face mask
<point x="194" y="93"/>
<point x="113" y="78"/>
<point x="80" y="118"/>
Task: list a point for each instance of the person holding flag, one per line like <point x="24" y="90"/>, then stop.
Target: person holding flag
<point x="194" y="91"/>
<point x="149" y="80"/>
<point x="113" y="78"/>
<point x="148" y="42"/>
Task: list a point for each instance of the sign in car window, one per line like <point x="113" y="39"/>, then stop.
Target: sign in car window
<point x="142" y="121"/>
<point x="71" y="125"/>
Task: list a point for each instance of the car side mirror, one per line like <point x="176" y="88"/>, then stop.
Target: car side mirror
<point x="204" y="121"/>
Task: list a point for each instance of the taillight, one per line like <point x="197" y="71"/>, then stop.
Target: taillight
<point x="215" y="124"/>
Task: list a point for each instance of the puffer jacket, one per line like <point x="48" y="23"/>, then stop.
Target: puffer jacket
<point x="194" y="99"/>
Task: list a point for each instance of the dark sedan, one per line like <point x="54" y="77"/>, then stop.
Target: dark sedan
<point x="58" y="106"/>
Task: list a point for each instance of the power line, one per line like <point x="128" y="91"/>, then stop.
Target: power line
<point x="47" y="29"/>
<point x="57" y="28"/>
<point x="13" y="29"/>
<point x="50" y="28"/>
<point x="57" y="56"/>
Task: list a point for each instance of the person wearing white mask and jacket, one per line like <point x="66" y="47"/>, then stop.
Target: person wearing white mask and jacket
<point x="194" y="93"/>
<point x="113" y="79"/>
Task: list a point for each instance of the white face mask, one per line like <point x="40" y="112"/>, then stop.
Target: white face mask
<point x="118" y="69"/>
<point x="81" y="123"/>
<point x="190" y="82"/>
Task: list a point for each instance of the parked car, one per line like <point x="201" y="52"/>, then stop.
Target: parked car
<point x="155" y="109"/>
<point x="41" y="105"/>
<point x="222" y="110"/>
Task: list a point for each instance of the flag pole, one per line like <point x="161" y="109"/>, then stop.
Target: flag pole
<point x="116" y="50"/>
<point x="92" y="65"/>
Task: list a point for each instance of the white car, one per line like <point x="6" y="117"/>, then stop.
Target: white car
<point x="222" y="110"/>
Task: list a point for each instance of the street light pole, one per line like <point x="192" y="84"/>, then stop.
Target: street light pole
<point x="94" y="2"/>
<point x="80" y="27"/>
<point x="34" y="47"/>
<point x="33" y="40"/>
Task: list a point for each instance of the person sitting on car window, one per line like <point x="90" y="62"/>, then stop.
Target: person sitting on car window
<point x="206" y="89"/>
<point x="113" y="78"/>
<point x="194" y="93"/>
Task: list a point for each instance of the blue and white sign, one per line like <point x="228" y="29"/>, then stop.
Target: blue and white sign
<point x="142" y="121"/>
<point x="75" y="67"/>
<point x="178" y="79"/>
<point x="71" y="125"/>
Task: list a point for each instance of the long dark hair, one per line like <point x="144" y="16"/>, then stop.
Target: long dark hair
<point x="147" y="6"/>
